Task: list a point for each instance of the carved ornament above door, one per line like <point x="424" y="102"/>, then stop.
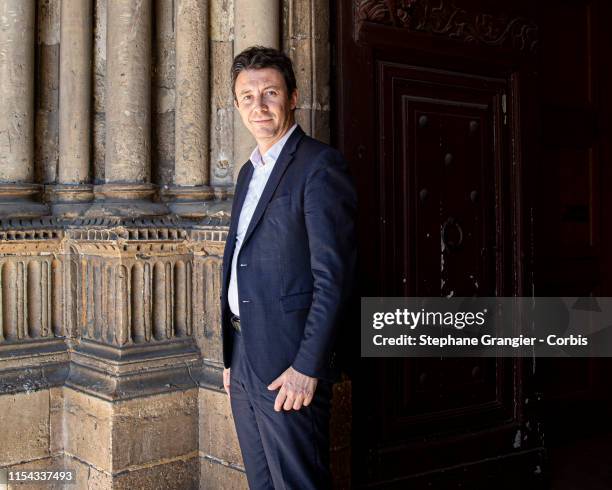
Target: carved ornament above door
<point x="443" y="18"/>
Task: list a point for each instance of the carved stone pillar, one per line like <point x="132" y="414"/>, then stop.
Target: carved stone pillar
<point x="221" y="99"/>
<point x="46" y="91"/>
<point x="73" y="189"/>
<point x="18" y="194"/>
<point x="255" y="23"/>
<point x="135" y="361"/>
<point x="127" y="190"/>
<point x="34" y="359"/>
<point x="191" y="169"/>
<point x="306" y="41"/>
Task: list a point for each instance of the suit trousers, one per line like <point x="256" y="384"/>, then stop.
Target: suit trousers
<point x="281" y="450"/>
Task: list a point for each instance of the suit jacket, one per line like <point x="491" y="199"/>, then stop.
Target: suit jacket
<point x="296" y="264"/>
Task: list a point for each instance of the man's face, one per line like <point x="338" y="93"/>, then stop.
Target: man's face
<point x="264" y="105"/>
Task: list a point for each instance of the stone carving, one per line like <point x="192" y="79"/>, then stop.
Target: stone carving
<point x="124" y="281"/>
<point x="30" y="304"/>
<point x="388" y="12"/>
<point x="442" y="17"/>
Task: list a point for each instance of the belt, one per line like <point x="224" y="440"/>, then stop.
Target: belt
<point x="235" y="320"/>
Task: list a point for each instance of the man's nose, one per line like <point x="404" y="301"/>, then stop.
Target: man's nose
<point x="260" y="104"/>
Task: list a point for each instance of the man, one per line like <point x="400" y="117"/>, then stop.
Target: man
<point x="287" y="271"/>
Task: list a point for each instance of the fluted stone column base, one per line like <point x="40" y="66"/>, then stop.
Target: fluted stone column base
<point x="69" y="200"/>
<point x="21" y="201"/>
<point x="126" y="200"/>
<point x="188" y="202"/>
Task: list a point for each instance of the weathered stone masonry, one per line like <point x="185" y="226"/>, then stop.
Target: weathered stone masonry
<point x="118" y="150"/>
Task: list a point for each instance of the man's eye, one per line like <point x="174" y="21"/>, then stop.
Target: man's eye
<point x="247" y="98"/>
<point x="271" y="92"/>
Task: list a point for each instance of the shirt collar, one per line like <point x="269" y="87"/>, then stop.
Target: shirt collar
<point x="273" y="152"/>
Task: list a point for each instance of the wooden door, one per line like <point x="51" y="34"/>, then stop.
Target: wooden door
<point x="432" y="112"/>
<point x="479" y="136"/>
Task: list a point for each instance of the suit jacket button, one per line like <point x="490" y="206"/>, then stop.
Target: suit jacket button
<point x="246" y="300"/>
<point x="243" y="265"/>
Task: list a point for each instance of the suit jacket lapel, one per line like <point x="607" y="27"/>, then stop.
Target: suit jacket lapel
<point x="240" y="195"/>
<point x="284" y="159"/>
<point x="241" y="192"/>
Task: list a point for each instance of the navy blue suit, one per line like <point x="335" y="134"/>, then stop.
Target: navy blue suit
<point x="295" y="272"/>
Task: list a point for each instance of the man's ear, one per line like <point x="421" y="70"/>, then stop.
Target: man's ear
<point x="236" y="103"/>
<point x="293" y="99"/>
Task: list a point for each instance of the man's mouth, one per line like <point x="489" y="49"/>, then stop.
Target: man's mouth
<point x="262" y="120"/>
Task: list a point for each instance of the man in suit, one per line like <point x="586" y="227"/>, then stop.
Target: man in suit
<point x="288" y="268"/>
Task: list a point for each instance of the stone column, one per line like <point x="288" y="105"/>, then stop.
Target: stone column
<point x="73" y="188"/>
<point x="221" y="100"/>
<point x="255" y="23"/>
<point x="17" y="192"/>
<point x="163" y="87"/>
<point x="127" y="190"/>
<point x="46" y="91"/>
<point x="191" y="177"/>
<point x="99" y="90"/>
<point x="306" y="41"/>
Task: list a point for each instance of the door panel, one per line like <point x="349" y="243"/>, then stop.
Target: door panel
<point x="441" y="161"/>
<point x="441" y="169"/>
<point x="438" y="174"/>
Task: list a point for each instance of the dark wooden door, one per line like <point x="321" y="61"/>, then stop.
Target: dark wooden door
<point x="479" y="136"/>
<point x="435" y="108"/>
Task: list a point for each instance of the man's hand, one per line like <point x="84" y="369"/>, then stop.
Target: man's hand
<point x="296" y="390"/>
<point x="226" y="380"/>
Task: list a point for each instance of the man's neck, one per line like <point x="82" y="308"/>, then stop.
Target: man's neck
<point x="265" y="145"/>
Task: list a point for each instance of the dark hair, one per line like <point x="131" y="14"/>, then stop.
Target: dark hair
<point x="257" y="57"/>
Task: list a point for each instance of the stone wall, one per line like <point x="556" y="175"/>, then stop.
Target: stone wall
<point x="118" y="151"/>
